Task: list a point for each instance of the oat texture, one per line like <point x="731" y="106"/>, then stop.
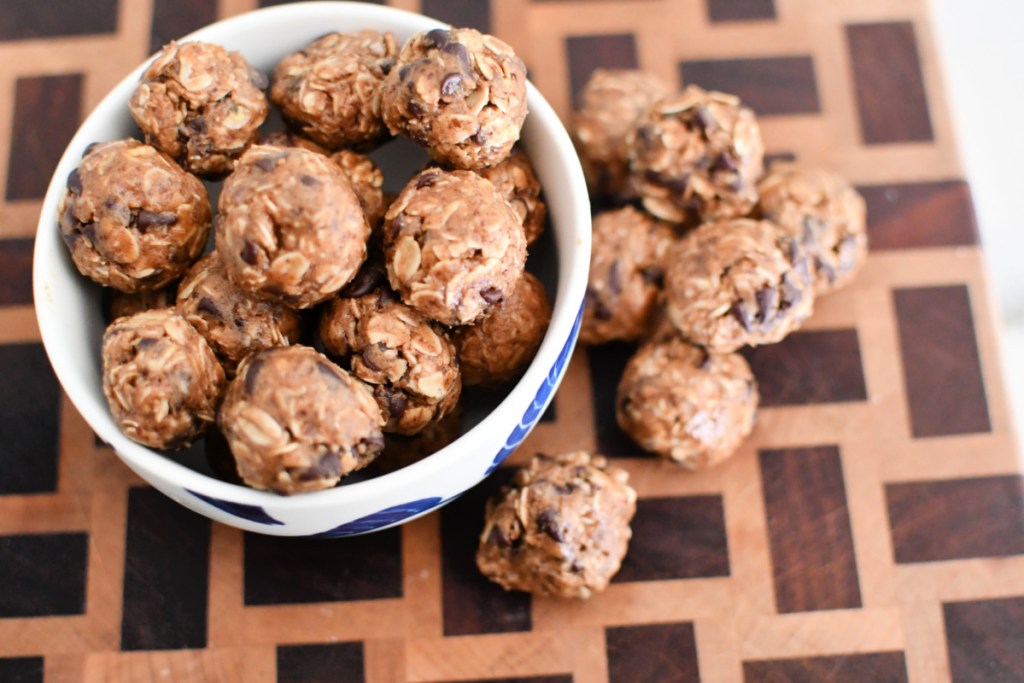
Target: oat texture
<point x="611" y="105"/>
<point x="297" y="422"/>
<point x="290" y="226"/>
<point x="454" y="247"/>
<point x="738" y="282"/>
<point x="200" y="104"/>
<point x="825" y="214"/>
<point x="626" y="272"/>
<point x="460" y="94"/>
<point x="697" y="156"/>
<point x="497" y="349"/>
<point x="162" y="382"/>
<point x="330" y="90"/>
<point x="561" y="530"/>
<point x="408" y="361"/>
<point x="234" y="321"/>
<point x="132" y="219"/>
<point x="367" y="182"/>
<point x="517" y="182"/>
<point x="685" y="404"/>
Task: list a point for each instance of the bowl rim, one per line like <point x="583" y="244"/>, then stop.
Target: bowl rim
<point x="566" y="304"/>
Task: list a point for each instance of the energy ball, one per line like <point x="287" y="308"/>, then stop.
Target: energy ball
<point x="290" y="227"/>
<point x="161" y="379"/>
<point x="825" y="214"/>
<point x="408" y="361"/>
<point x="626" y="272"/>
<point x="117" y="304"/>
<point x="200" y="104"/>
<point x="367" y="182"/>
<point x="611" y="105"/>
<point x="460" y="94"/>
<point x="454" y="247"/>
<point x="234" y="322"/>
<point x="497" y="349"/>
<point x="687" y="405"/>
<point x="738" y="282"/>
<point x="132" y="219"/>
<point x="516" y="181"/>
<point x="330" y="90"/>
<point x="297" y="422"/>
<point x="561" y="530"/>
<point x="697" y="156"/>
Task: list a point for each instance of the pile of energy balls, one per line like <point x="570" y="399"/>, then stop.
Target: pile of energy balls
<point x="329" y="323"/>
<point x="700" y="254"/>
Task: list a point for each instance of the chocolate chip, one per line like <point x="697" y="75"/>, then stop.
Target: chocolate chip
<point x="601" y="312"/>
<point x="251" y="373"/>
<point x="767" y="303"/>
<point x="725" y="162"/>
<point x="426" y="180"/>
<point x="267" y="164"/>
<point x="403" y="73"/>
<point x="309" y="181"/>
<point x="327" y="467"/>
<point x="75" y="182"/>
<point x="703" y="118"/>
<point x="258" y="79"/>
<point x="372" y="444"/>
<point x="451" y="85"/>
<point x="741" y="312"/>
<point x="197" y="124"/>
<point x="492" y="295"/>
<point x="206" y="305"/>
<point x="368" y="360"/>
<point x="438" y="38"/>
<point x="614" y="279"/>
<point x="415" y="110"/>
<point x="394" y="401"/>
<point x="386" y="65"/>
<point x="89" y="231"/>
<point x="250" y="253"/>
<point x="479" y="137"/>
<point x="498" y="537"/>
<point x="458" y="50"/>
<point x="653" y="275"/>
<point x="369" y="278"/>
<point x="791" y="294"/>
<point x="149" y="219"/>
<point x="547" y="523"/>
<point x="89" y="148"/>
<point x="147" y="343"/>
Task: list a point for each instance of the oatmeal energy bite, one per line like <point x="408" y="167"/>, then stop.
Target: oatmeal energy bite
<point x="132" y="219"/>
<point x="200" y="104"/>
<point x="297" y="422"/>
<point x="561" y="530"/>
<point x="330" y="90"/>
<point x="497" y="349"/>
<point x="697" y="156"/>
<point x="611" y="104"/>
<point x="408" y="361"/>
<point x="626" y="270"/>
<point x="825" y="214"/>
<point x="454" y="247"/>
<point x="737" y="282"/>
<point x="161" y="380"/>
<point x="460" y="94"/>
<point x="687" y="405"/>
<point x="233" y="321"/>
<point x="516" y="181"/>
<point x="290" y="227"/>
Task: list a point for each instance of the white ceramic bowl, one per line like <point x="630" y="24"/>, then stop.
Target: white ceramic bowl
<point x="68" y="308"/>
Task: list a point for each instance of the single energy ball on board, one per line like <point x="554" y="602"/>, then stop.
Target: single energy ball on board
<point x="498" y="348"/>
<point x="290" y="227"/>
<point x="408" y="361"/>
<point x="162" y="382"/>
<point x="132" y="219"/>
<point x="458" y="93"/>
<point x="330" y="90"/>
<point x="561" y="530"/>
<point x="233" y="321"/>
<point x="626" y="272"/>
<point x="517" y="182"/>
<point x="687" y="405"/>
<point x="200" y="104"/>
<point x="697" y="156"/>
<point x="611" y="105"/>
<point x="454" y="248"/>
<point x="823" y="212"/>
<point x="737" y="282"/>
<point x="297" y="422"/>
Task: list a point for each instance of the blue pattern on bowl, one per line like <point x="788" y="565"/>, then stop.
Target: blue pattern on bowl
<point x="253" y="513"/>
<point x="385" y="517"/>
<point x="541" y="400"/>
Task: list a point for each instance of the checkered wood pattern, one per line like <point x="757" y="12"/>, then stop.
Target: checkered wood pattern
<point x="872" y="528"/>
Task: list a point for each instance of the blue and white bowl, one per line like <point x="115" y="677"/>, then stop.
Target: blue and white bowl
<point x="68" y="309"/>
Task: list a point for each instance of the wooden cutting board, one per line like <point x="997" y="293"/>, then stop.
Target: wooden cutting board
<point x="872" y="529"/>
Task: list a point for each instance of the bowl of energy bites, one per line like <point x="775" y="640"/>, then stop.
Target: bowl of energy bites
<point x="317" y="269"/>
